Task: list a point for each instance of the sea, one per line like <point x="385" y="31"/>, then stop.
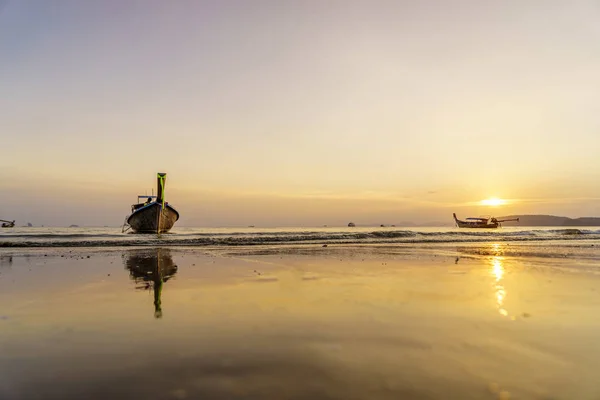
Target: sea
<point x="25" y="237"/>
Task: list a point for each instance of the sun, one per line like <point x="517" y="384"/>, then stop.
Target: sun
<point x="493" y="202"/>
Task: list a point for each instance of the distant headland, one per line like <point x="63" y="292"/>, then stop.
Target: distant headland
<point x="550" y="220"/>
<point x="524" y="220"/>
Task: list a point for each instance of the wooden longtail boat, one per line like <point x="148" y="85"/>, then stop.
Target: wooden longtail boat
<point x="155" y="215"/>
<point x="481" y="222"/>
<point x="7" y="224"/>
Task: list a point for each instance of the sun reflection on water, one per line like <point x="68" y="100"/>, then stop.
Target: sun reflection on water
<point x="498" y="273"/>
<point x="496" y="249"/>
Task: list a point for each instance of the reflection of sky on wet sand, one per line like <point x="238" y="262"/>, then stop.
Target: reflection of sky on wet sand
<point x="290" y="326"/>
<point x="6" y="261"/>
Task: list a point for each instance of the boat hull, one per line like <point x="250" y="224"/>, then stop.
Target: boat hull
<point x="477" y="223"/>
<point x="153" y="219"/>
<point x="464" y="224"/>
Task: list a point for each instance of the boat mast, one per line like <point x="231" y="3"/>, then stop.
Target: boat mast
<point x="161" y="178"/>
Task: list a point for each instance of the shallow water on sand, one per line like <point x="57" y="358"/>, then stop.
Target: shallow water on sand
<point x="24" y="237"/>
<point x="374" y="322"/>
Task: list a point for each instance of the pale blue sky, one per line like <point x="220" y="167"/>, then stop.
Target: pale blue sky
<point x="299" y="112"/>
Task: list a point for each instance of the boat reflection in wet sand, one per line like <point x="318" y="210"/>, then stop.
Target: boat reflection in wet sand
<point x="481" y="222"/>
<point x="150" y="270"/>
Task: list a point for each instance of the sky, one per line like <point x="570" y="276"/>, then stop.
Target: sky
<point x="299" y="113"/>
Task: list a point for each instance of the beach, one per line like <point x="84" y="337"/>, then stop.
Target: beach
<point x="469" y="320"/>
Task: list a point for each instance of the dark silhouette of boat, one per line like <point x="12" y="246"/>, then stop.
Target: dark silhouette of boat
<point x="155" y="215"/>
<point x="150" y="270"/>
<point x="481" y="222"/>
<point x="7" y="224"/>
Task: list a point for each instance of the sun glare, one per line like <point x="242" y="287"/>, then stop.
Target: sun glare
<point x="493" y="201"/>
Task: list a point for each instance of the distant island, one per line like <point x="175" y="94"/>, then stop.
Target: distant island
<point x="550" y="220"/>
<point x="524" y="220"/>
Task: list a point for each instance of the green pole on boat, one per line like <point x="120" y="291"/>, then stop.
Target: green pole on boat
<point x="160" y="197"/>
<point x="161" y="177"/>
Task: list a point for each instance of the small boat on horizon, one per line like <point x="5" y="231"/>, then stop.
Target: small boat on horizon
<point x="154" y="215"/>
<point x="7" y="224"/>
<point x="481" y="222"/>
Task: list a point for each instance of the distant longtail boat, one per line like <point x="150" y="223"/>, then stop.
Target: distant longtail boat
<point x="7" y="224"/>
<point x="155" y="215"/>
<point x="481" y="222"/>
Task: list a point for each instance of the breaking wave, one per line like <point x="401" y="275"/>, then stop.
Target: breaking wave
<point x="94" y="237"/>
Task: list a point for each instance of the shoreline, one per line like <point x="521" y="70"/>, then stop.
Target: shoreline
<point x="556" y="249"/>
<point x="63" y="238"/>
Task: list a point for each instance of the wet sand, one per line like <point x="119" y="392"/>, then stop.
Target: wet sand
<point x="299" y="323"/>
